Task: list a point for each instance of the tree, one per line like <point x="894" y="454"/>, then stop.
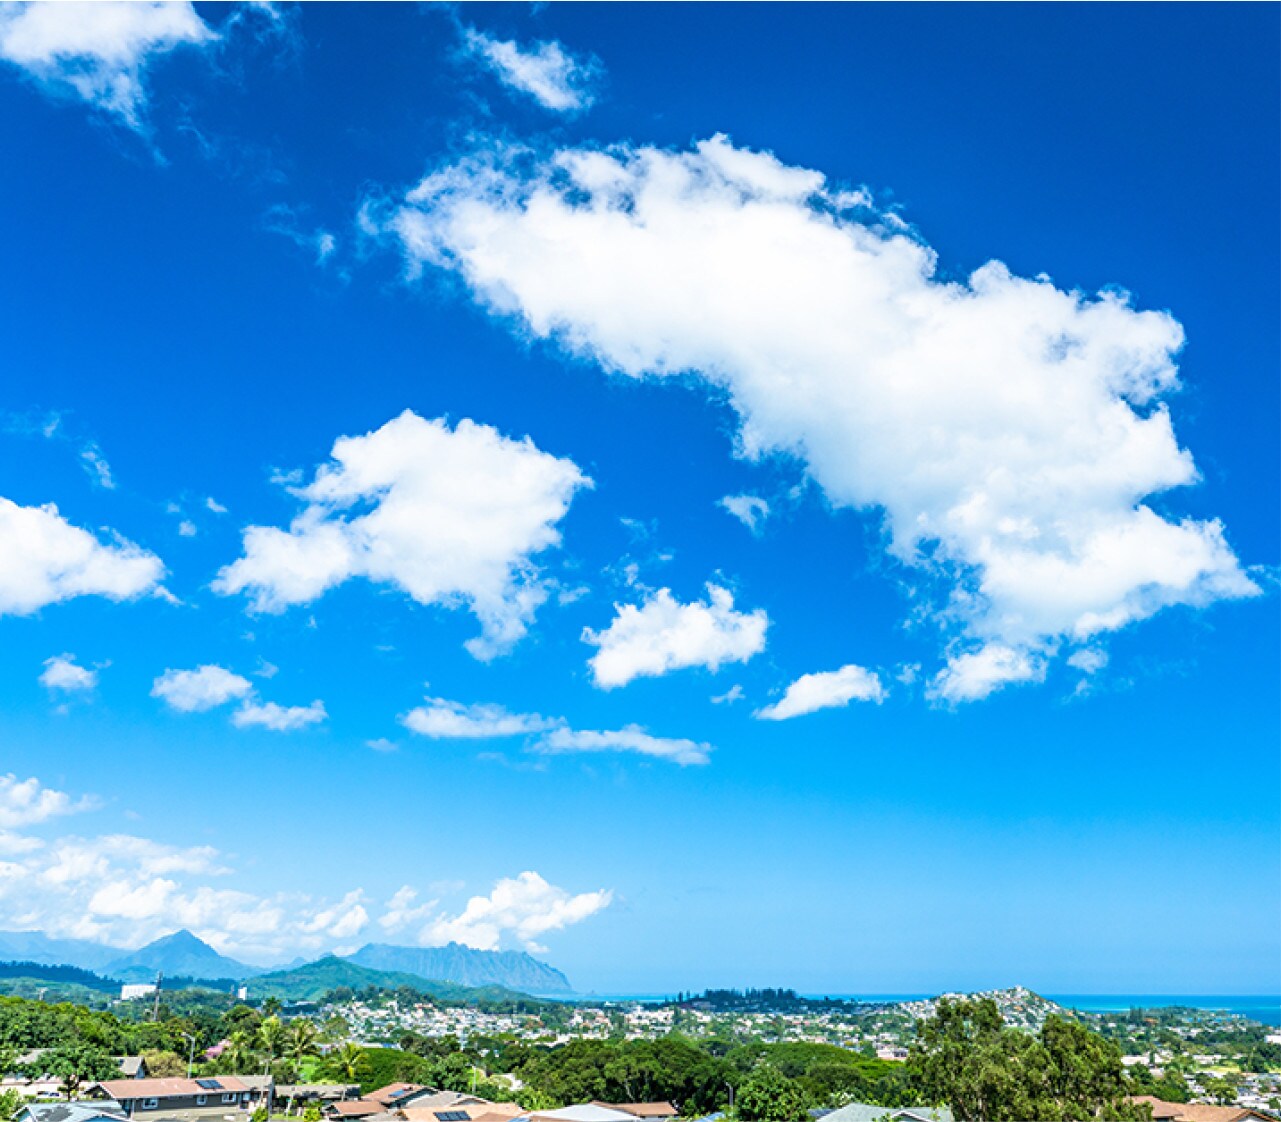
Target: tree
<point x="271" y="1038"/>
<point x="240" y="1053"/>
<point x="302" y="1040"/>
<point x="75" y="1063"/>
<point x="770" y="1096"/>
<point x="966" y="1057"/>
<point x="163" y="1064"/>
<point x="348" y="1059"/>
<point x="10" y="1103"/>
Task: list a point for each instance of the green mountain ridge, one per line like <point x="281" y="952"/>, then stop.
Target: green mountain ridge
<point x="466" y="966"/>
<point x="181" y="953"/>
<point x="315" y="979"/>
<point x="184" y="955"/>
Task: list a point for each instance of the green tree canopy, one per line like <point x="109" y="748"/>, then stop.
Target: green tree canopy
<point x="770" y="1096"/>
<point x="967" y="1058"/>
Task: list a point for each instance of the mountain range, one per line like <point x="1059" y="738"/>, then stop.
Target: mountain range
<point x="183" y="954"/>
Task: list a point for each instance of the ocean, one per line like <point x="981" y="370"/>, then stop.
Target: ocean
<point x="1262" y="1008"/>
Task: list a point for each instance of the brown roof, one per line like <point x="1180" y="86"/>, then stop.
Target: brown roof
<point x="395" y="1092"/>
<point x="645" y="1110"/>
<point x="499" y="1112"/>
<point x="168" y="1088"/>
<point x="430" y="1107"/>
<point x="1196" y="1112"/>
<point x="356" y="1108"/>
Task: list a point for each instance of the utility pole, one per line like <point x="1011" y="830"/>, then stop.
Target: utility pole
<point x="155" y="1007"/>
<point x="191" y="1052"/>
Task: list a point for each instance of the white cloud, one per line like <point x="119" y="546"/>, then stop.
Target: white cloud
<point x="195" y="691"/>
<point x="284" y="220"/>
<point x="26" y="802"/>
<point x="1089" y="660"/>
<point x="827" y="689"/>
<point x="750" y="510"/>
<point x="125" y="890"/>
<point x="342" y="920"/>
<point x="1007" y="433"/>
<point x="99" y="51"/>
<point x="631" y="738"/>
<point x="95" y="463"/>
<point x="63" y="673"/>
<point x="44" y="559"/>
<point x="731" y="695"/>
<point x="526" y="906"/>
<point x="402" y="911"/>
<point x="446" y="515"/>
<point x="278" y="718"/>
<point x="442" y="719"/>
<point x="545" y="71"/>
<point x="663" y="634"/>
<point x="972" y="676"/>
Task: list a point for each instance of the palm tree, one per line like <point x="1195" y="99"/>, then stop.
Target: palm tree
<point x="239" y="1052"/>
<point x="301" y="1040"/>
<point x="271" y="1039"/>
<point x="349" y="1059"/>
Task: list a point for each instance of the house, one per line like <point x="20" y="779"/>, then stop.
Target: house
<point x="219" y="1095"/>
<point x="1198" y="1112"/>
<point x="397" y="1096"/>
<point x="865" y="1112"/>
<point x="70" y="1112"/>
<point x="261" y="1089"/>
<point x="316" y="1092"/>
<point x="132" y="1067"/>
<point x="496" y="1112"/>
<point x="453" y="1106"/>
<point x="354" y="1108"/>
<point x="653" y="1112"/>
<point x="39" y="1085"/>
<point x="584" y="1112"/>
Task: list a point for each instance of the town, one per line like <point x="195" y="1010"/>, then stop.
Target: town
<point x="397" y="1055"/>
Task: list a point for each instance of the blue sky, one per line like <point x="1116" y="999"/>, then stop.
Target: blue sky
<point x="979" y="686"/>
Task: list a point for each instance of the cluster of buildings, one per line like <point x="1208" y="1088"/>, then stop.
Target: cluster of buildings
<point x="388" y="1018"/>
<point x="411" y="1102"/>
<point x="137" y="1097"/>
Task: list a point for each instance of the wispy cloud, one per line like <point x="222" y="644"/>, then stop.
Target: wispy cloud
<point x="544" y="71"/>
<point x="827" y="689"/>
<point x="441" y="719"/>
<point x="99" y="52"/>
<point x="631" y="739"/>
